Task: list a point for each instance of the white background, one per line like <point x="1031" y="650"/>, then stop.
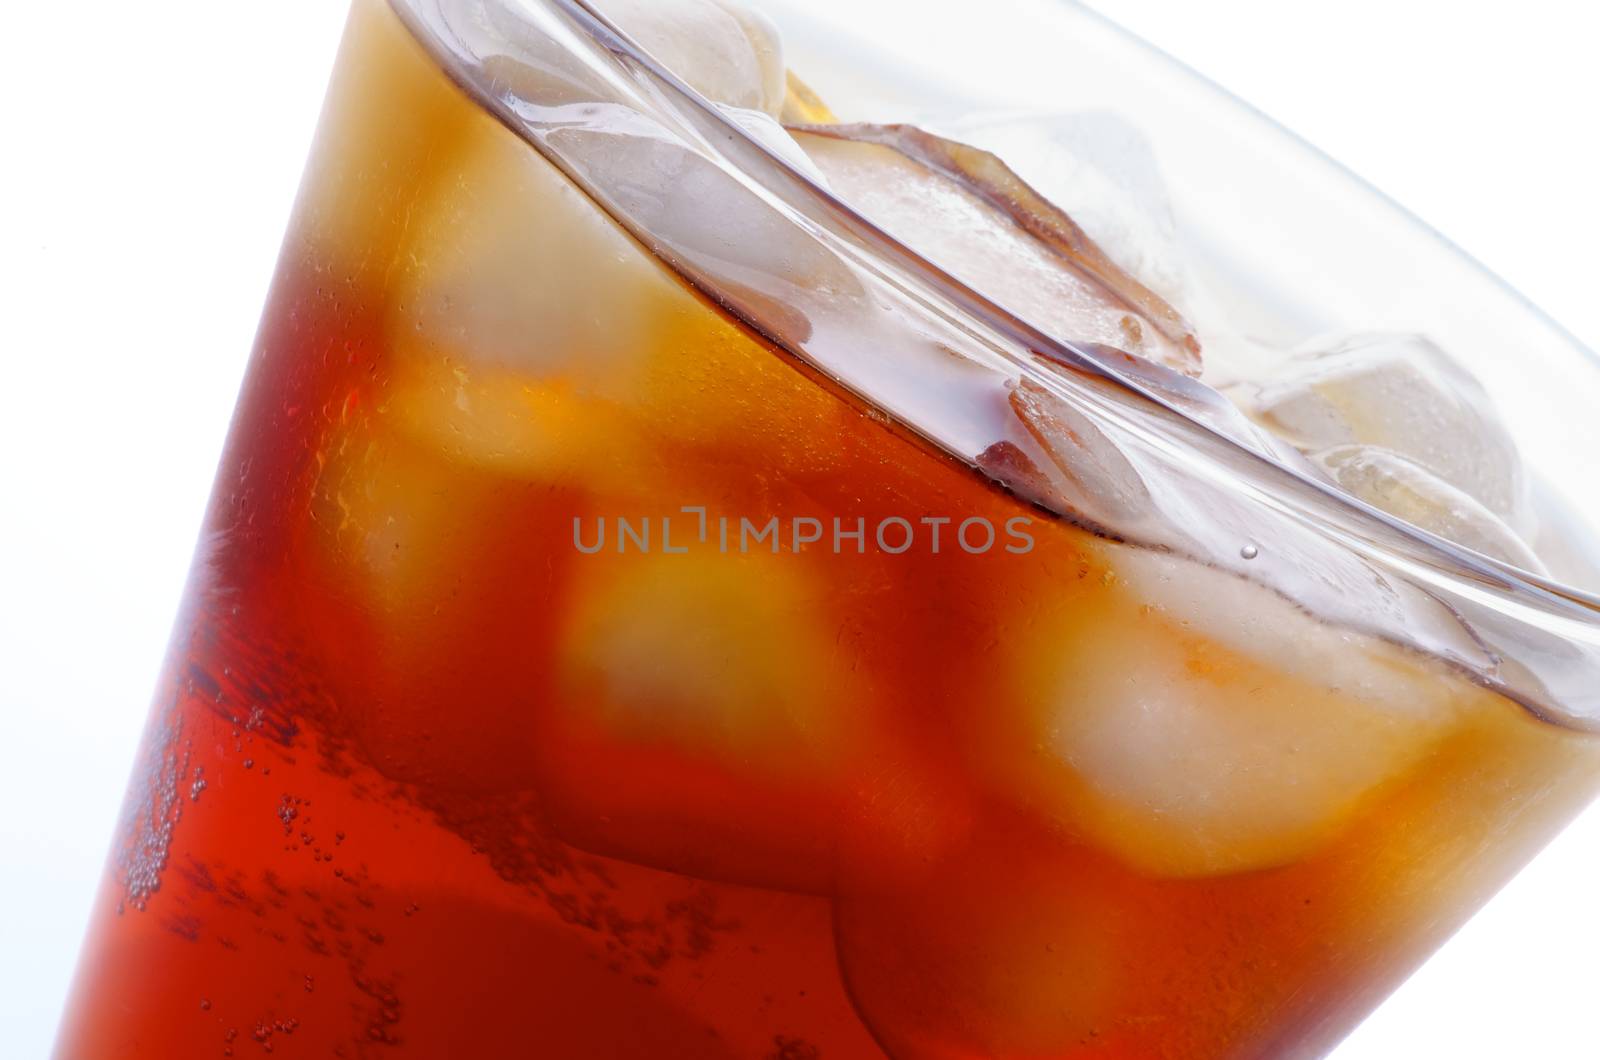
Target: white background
<point x="151" y="152"/>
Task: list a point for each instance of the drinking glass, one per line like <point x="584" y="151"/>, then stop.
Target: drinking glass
<point x="651" y="605"/>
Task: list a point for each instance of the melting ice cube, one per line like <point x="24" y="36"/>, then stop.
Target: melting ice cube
<point x="1100" y="169"/>
<point x="1103" y="170"/>
<point x="722" y="49"/>
<point x="704" y="714"/>
<point x="492" y="250"/>
<point x="701" y="654"/>
<point x="1389" y="481"/>
<point x="1196" y="723"/>
<point x="1405" y="394"/>
<point x="1065" y="462"/>
<point x="965" y="211"/>
<point x="504" y="354"/>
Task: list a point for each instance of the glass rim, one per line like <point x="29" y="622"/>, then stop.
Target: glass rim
<point x="1513" y="583"/>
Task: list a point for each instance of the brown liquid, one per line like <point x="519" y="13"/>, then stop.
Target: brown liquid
<point x="423" y="779"/>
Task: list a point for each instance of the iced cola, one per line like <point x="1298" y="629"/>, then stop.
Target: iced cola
<point x="635" y="619"/>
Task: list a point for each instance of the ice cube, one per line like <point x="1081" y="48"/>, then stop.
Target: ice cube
<point x="528" y="333"/>
<point x="1195" y="723"/>
<point x="1389" y="481"/>
<point x="391" y="521"/>
<point x="388" y="511"/>
<point x="1100" y="169"/>
<point x="702" y="654"/>
<point x="1081" y="474"/>
<point x="522" y="316"/>
<point x="1405" y="394"/>
<point x="724" y="50"/>
<point x="530" y="427"/>
<point x="693" y="207"/>
<point x="962" y="209"/>
<point x="491" y="271"/>
<point x="704" y="713"/>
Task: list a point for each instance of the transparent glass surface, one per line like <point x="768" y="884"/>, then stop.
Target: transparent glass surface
<point x="673" y="590"/>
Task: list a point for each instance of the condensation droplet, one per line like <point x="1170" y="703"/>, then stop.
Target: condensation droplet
<point x="1249" y="552"/>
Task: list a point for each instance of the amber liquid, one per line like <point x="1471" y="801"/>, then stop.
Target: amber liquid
<point x="424" y="779"/>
